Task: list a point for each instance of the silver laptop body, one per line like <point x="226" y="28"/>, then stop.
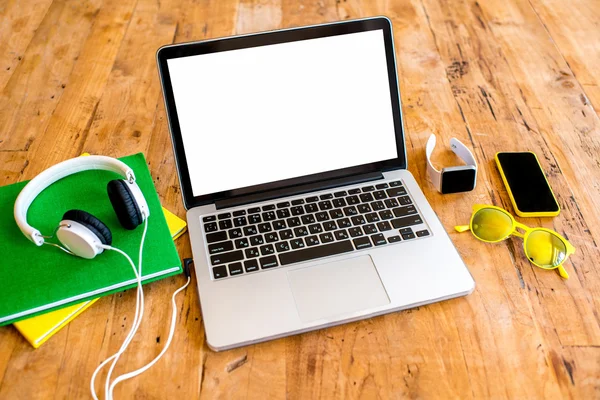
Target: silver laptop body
<point x="291" y="157"/>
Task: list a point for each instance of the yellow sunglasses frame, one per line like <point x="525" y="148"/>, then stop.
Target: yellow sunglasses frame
<point x="527" y="231"/>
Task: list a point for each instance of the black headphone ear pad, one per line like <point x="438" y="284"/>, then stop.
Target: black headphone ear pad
<point x="97" y="227"/>
<point x="124" y="204"/>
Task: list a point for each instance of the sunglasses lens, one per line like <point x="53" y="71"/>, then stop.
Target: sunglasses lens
<point x="545" y="249"/>
<point x="491" y="225"/>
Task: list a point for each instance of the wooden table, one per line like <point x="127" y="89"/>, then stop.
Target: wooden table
<point x="501" y="75"/>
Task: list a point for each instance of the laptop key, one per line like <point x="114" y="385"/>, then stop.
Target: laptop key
<point x="225" y="224"/>
<point x="369" y="229"/>
<point x="210" y="227"/>
<point x="267" y="249"/>
<point x="235" y="269"/>
<point x="325" y="205"/>
<point x="336" y="214"/>
<point x="386" y="214"/>
<point x="297" y="202"/>
<point x="251" y="265"/>
<point x="300" y="231"/>
<point x="404" y="211"/>
<point x="315" y="228"/>
<point x="312" y="240"/>
<point x="377" y="206"/>
<point x="326" y="196"/>
<point x="283" y="213"/>
<point x="341" y="234"/>
<point x="235" y="233"/>
<point x="220" y="247"/>
<point x="256" y="240"/>
<point x="404" y="231"/>
<point x="287" y="234"/>
<point x="282" y="246"/>
<point x="283" y="204"/>
<point x="366" y="197"/>
<point x="340" y="194"/>
<point x="329" y="226"/>
<point x="372" y="217"/>
<point x="292" y="222"/>
<point x="326" y="237"/>
<point x="422" y="233"/>
<point x="311" y="208"/>
<point x="407" y="236"/>
<point x="382" y="186"/>
<point x="219" y="272"/>
<point x="297" y="243"/>
<point x="354" y="191"/>
<point x="378" y="239"/>
<point x="358" y="220"/>
<point x="350" y="211"/>
<point x="311" y="253"/>
<point x="368" y="189"/>
<point x="266" y="227"/>
<point x="254" y="210"/>
<point x="344" y="223"/>
<point x="391" y="203"/>
<point x="312" y="199"/>
<point x="271" y="237"/>
<point x="239" y="213"/>
<point x="322" y="216"/>
<point x="254" y="218"/>
<point x="406" y="221"/>
<point x="394" y="239"/>
<point x="279" y="224"/>
<point x="395" y="183"/>
<point x="240" y="221"/>
<point x="268" y="216"/>
<point x="216" y="237"/>
<point x="251" y="252"/>
<point x="268" y="262"/>
<point x="308" y="219"/>
<point x="351" y="200"/>
<point x="210" y="218"/>
<point x="337" y="203"/>
<point x="362" y="243"/>
<point x="298" y="210"/>
<point x="379" y="195"/>
<point x="404" y="200"/>
<point x="250" y="230"/>
<point x="226" y="258"/>
<point x="224" y="216"/>
<point x="384" y="226"/>
<point x="364" y="208"/>
<point x="355" y="231"/>
<point x="396" y="191"/>
<point x="268" y="207"/>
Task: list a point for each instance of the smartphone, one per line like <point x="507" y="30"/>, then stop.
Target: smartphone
<point x="527" y="186"/>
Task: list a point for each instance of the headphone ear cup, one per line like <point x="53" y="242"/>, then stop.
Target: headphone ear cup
<point x="124" y="204"/>
<point x="92" y="223"/>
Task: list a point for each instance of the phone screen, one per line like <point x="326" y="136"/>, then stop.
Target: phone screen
<point x="527" y="182"/>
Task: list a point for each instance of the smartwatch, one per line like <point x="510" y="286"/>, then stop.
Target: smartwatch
<point x="453" y="179"/>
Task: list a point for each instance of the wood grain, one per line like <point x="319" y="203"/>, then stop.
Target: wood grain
<point x="500" y="75"/>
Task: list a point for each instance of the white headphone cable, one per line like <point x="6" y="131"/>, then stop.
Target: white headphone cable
<point x="139" y="371"/>
<point x="139" y="312"/>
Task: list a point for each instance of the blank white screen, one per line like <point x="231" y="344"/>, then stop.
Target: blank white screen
<point x="264" y="114"/>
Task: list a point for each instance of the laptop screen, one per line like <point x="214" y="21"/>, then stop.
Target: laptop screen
<point x="269" y="113"/>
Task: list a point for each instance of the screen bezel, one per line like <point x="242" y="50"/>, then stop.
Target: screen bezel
<point x="263" y="39"/>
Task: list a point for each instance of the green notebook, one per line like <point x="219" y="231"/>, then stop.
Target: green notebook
<point x="34" y="280"/>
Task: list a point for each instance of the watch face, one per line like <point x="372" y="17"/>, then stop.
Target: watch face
<point x="458" y="180"/>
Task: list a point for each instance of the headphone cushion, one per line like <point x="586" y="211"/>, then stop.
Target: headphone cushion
<point x="124" y="204"/>
<point x="97" y="227"/>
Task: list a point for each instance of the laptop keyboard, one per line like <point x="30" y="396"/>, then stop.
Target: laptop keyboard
<point x="258" y="238"/>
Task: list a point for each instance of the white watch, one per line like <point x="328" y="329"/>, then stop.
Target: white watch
<point x="453" y="179"/>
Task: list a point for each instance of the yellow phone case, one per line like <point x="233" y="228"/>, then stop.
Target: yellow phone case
<point x="512" y="199"/>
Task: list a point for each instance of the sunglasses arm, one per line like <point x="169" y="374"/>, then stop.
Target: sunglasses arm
<point x="462" y="228"/>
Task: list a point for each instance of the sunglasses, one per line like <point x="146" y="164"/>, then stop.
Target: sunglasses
<point x="545" y="248"/>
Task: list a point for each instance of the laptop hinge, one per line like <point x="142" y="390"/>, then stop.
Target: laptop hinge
<point x="291" y="191"/>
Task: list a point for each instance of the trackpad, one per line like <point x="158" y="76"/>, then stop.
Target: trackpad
<point x="337" y="288"/>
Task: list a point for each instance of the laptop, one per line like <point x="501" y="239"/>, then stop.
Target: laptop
<point x="290" y="152"/>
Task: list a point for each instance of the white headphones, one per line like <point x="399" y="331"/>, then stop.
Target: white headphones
<point x="79" y="232"/>
<point x="458" y="179"/>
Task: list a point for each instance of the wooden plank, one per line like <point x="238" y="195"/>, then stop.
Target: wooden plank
<point x="18" y="24"/>
<point x="574" y="30"/>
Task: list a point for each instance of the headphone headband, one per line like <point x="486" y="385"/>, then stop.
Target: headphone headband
<point x="55" y="173"/>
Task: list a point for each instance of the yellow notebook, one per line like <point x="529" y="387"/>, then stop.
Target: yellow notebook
<point x="40" y="328"/>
